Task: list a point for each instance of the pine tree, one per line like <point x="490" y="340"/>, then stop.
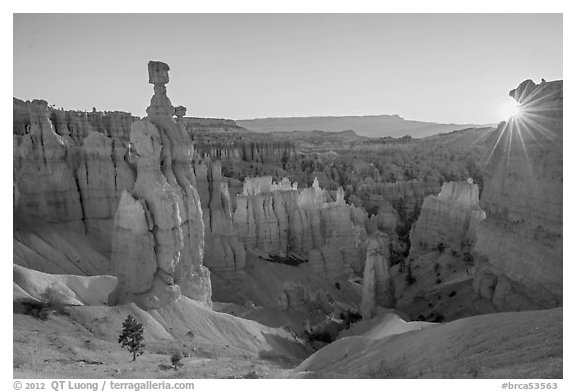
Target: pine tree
<point x="131" y="336"/>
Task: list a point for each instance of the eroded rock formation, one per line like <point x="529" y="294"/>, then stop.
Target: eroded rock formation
<point x="44" y="171"/>
<point x="223" y="249"/>
<point x="448" y="219"/>
<point x="70" y="172"/>
<point x="377" y="285"/>
<point x="518" y="250"/>
<point x="405" y="196"/>
<point x="280" y="219"/>
<point x="294" y="296"/>
<point x="158" y="245"/>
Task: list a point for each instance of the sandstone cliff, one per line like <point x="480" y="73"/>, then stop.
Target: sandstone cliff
<point x="449" y="218"/>
<point x="518" y="251"/>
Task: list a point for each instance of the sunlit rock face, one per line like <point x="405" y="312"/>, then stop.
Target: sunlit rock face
<point x="449" y="218"/>
<point x="279" y="219"/>
<point x="377" y="285"/>
<point x="44" y="170"/>
<point x="223" y="249"/>
<point x="518" y="252"/>
<point x="70" y="167"/>
<point x="102" y="175"/>
<point x="162" y="213"/>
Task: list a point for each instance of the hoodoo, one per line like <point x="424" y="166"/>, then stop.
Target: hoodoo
<point x="377" y="286"/>
<point x="158" y="245"/>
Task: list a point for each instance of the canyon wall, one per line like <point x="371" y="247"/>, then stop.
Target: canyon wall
<point x="518" y="251"/>
<point x="450" y="218"/>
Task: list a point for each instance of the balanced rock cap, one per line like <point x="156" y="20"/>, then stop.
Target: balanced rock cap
<point x="158" y="72"/>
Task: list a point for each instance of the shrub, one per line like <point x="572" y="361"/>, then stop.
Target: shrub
<point x="438" y="281"/>
<point x="51" y="301"/>
<point x="176" y="360"/>
<point x="437" y="317"/>
<point x="440" y="247"/>
<point x="132" y="337"/>
<point x="350" y="317"/>
<point x="37" y="310"/>
<point x="453" y="293"/>
<point x="320" y="336"/>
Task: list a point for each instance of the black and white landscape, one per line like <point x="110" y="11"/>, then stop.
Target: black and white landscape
<point x="287" y="196"/>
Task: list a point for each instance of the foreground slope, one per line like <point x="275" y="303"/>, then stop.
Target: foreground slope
<point x="81" y="342"/>
<point x="501" y="345"/>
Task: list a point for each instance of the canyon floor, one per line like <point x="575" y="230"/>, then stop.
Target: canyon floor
<point x="506" y="345"/>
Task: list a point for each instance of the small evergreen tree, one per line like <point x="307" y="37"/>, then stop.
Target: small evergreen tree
<point x="131" y="336"/>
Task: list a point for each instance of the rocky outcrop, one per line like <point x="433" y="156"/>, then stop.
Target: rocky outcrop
<point x="158" y="240"/>
<point x="44" y="169"/>
<point x="405" y="196"/>
<point x="280" y="219"/>
<point x="71" y="174"/>
<point x="75" y="124"/>
<point x="518" y="251"/>
<point x="78" y="124"/>
<point x="102" y="175"/>
<point x="377" y="285"/>
<point x="91" y="153"/>
<point x="223" y="249"/>
<point x="448" y="219"/>
<point x="295" y="296"/>
<point x="237" y="145"/>
<point x="202" y="126"/>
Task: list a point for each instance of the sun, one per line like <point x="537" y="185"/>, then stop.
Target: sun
<point x="510" y="109"/>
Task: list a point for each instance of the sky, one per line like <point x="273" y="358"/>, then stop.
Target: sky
<point x="452" y="68"/>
